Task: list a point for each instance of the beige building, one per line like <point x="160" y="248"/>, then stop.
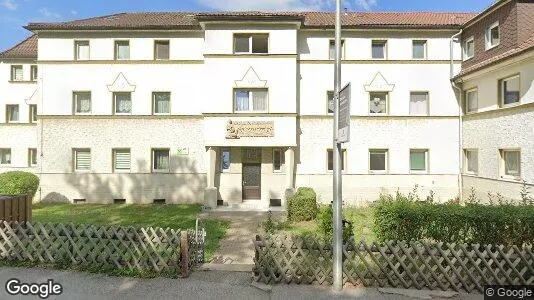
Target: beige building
<point x="233" y="108"/>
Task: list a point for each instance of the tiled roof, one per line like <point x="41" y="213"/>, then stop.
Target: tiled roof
<point x="189" y="20"/>
<point x="522" y="48"/>
<point x="24" y="49"/>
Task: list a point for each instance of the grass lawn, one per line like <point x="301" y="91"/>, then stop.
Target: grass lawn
<point x="172" y="216"/>
<point x="361" y="218"/>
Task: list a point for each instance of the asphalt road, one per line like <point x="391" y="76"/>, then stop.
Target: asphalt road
<point x="201" y="285"/>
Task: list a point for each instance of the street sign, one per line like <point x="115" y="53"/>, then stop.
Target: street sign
<point x="343" y="129"/>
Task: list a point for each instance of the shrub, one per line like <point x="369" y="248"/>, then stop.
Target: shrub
<point x="18" y="183"/>
<point x="302" y="206"/>
<point x="474" y="223"/>
<point x="326" y="225"/>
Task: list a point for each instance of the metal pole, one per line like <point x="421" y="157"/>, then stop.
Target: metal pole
<point x="337" y="206"/>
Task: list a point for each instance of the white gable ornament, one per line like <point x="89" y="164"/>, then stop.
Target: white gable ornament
<point x="121" y="84"/>
<point x="251" y="80"/>
<point x="379" y="84"/>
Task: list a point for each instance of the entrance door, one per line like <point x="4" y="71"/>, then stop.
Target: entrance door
<point x="251" y="181"/>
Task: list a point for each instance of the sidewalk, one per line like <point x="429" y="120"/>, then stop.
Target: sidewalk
<point x="201" y="285"/>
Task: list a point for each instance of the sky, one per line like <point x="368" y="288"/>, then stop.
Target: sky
<point x="16" y="13"/>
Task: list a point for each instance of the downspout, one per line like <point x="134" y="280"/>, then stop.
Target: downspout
<point x="460" y="133"/>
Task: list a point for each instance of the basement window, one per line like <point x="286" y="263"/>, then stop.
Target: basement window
<point x="119" y="201"/>
<point x="159" y="201"/>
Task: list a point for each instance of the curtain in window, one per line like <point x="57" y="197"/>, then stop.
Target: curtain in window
<point x="5" y="157"/>
<point x="123" y="104"/>
<point x="511" y="90"/>
<point x="83" y="51"/>
<point x="225" y="160"/>
<point x="259" y="100"/>
<point x="161" y="160"/>
<point x="123" y="51"/>
<point x="418" y="161"/>
<point x="418" y="103"/>
<point x="242" y="100"/>
<point x="377" y="103"/>
<point x="83" y="104"/>
<point x="418" y="50"/>
<point x="472" y="101"/>
<point x="162" y="102"/>
<point x="14" y="113"/>
<point x="18" y="73"/>
<point x="472" y="161"/>
<point x="511" y="161"/>
<point x="377" y="50"/>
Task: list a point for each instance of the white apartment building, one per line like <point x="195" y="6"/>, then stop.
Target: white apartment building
<point x="232" y="108"/>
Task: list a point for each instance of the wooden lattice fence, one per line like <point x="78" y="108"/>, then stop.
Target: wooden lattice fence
<point x="421" y="265"/>
<point x="137" y="249"/>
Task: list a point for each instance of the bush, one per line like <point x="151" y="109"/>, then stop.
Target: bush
<point x="326" y="225"/>
<point x="408" y="220"/>
<point x="302" y="206"/>
<point x="18" y="183"/>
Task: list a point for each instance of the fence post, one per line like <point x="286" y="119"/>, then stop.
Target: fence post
<point x="28" y="210"/>
<point x="184" y="253"/>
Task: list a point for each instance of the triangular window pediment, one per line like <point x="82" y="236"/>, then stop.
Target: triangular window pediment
<point x="121" y="84"/>
<point x="379" y="84"/>
<point x="250" y="80"/>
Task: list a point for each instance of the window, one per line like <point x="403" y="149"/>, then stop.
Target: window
<point x="122" y="50"/>
<point x="378" y="49"/>
<point x="378" y="160"/>
<point x="82" y="159"/>
<point x="160" y="160"/>
<point x="251" y="43"/>
<point x="161" y="50"/>
<point x="81" y="50"/>
<point x="330" y="101"/>
<point x="419" y="103"/>
<point x="278" y="160"/>
<point x="17" y="73"/>
<point x="332" y="49"/>
<point x="509" y="90"/>
<point x="331" y="159"/>
<point x="33" y="73"/>
<point x="511" y="164"/>
<point x="121" y="159"/>
<point x="225" y="160"/>
<point x="418" y="160"/>
<point x="469" y="48"/>
<point x="82" y="102"/>
<point x="161" y="103"/>
<point x="378" y="103"/>
<point x="471" y="101"/>
<point x="5" y="156"/>
<point x="32" y="157"/>
<point x="122" y="103"/>
<point x="33" y="113"/>
<point x="250" y="100"/>
<point x="471" y="161"/>
<point x="12" y="113"/>
<point x="493" y="36"/>
<point x="418" y="49"/>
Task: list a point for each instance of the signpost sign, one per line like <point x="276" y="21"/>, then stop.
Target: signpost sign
<point x="344" y="115"/>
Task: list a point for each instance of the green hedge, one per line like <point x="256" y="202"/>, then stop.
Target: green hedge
<point x="302" y="206"/>
<point x="326" y="223"/>
<point x="450" y="222"/>
<point x="18" y="183"/>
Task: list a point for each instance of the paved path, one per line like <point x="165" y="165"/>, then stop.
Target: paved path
<point x="201" y="285"/>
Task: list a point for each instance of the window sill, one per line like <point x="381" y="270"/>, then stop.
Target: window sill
<point x="23" y="81"/>
<point x="510" y="104"/>
<point x="161" y="171"/>
<point x="471" y="174"/>
<point x="161" y="114"/>
<point x="83" y="114"/>
<point x="491" y="47"/>
<point x="122" y="171"/>
<point x="122" y="114"/>
<point x="249" y="53"/>
<point x="82" y="171"/>
<point x="471" y="112"/>
<point x="416" y="172"/>
<point x="468" y="58"/>
<point x="378" y="114"/>
<point x="251" y="111"/>
<point x="378" y="172"/>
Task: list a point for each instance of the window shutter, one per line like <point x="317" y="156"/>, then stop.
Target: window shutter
<point x="122" y="159"/>
<point x="83" y="160"/>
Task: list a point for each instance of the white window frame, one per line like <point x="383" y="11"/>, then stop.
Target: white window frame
<point x="282" y="160"/>
<point x="156" y="42"/>
<point x="34" y="72"/>
<point x="427" y="156"/>
<point x="466" y="54"/>
<point x="487" y="35"/>
<point x="2" y="150"/>
<point x="223" y="150"/>
<point x="251" y="101"/>
<point x="250" y="43"/>
<point x="466" y="162"/>
<point x="332" y="43"/>
<point x="32" y="113"/>
<point x="386" y="153"/>
<point x="9" y="114"/>
<point x="13" y="73"/>
<point x="502" y="164"/>
<point x="115" y="94"/>
<point x="32" y="153"/>
<point x="343" y="160"/>
<point x="154" y="103"/>
<point x="75" y="95"/>
<point x="369" y="104"/>
<point x="114" y="154"/>
<point x="75" y="152"/>
<point x="117" y="44"/>
<point x="425" y="49"/>
<point x="427" y="103"/>
<point x="154" y="170"/>
<point x="501" y="90"/>
<point x="466" y="100"/>
<point x="385" y="44"/>
<point x="77" y="45"/>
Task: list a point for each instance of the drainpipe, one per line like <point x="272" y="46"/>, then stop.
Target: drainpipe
<point x="460" y="101"/>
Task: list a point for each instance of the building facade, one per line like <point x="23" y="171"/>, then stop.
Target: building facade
<point x="233" y="108"/>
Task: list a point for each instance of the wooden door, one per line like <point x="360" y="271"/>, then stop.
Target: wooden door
<point x="251" y="181"/>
